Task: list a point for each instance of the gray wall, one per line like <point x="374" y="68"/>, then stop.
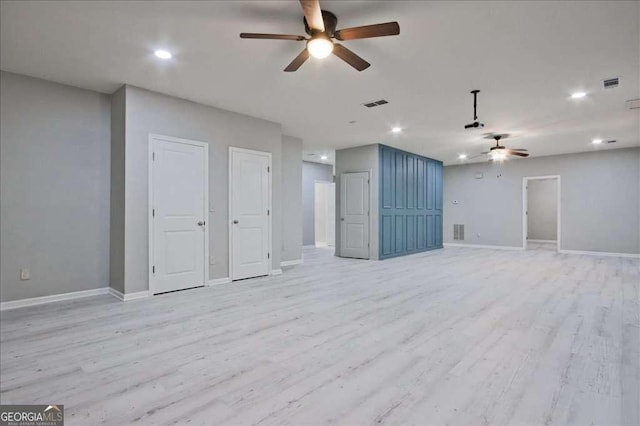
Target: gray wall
<point x="54" y="188"/>
<point x="360" y="159"/>
<point x="291" y="198"/>
<point x="311" y="172"/>
<point x="542" y="208"/>
<point x="600" y="205"/>
<point x="150" y="112"/>
<point x="116" y="228"/>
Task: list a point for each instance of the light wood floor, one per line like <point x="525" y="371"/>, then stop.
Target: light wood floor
<point x="459" y="336"/>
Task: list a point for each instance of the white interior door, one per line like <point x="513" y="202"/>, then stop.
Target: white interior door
<point x="250" y="204"/>
<point x="354" y="215"/>
<point x="178" y="215"/>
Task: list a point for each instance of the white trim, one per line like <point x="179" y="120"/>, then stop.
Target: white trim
<point x="601" y="253"/>
<point x="276" y="272"/>
<point x="542" y="241"/>
<point x="33" y="301"/>
<point x="218" y="281"/>
<point x="291" y="262"/>
<point x="128" y="296"/>
<point x="233" y="149"/>
<point x="525" y="222"/>
<point x="483" y="246"/>
<point x="205" y="146"/>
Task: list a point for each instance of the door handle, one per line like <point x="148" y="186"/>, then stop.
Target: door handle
<point x="235" y="222"/>
<point x="201" y="223"/>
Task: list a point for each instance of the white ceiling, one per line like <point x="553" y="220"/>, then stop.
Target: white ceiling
<point x="526" y="57"/>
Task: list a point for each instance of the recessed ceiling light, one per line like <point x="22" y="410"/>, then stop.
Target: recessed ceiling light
<point x="396" y="129"/>
<point x="163" y="54"/>
<point x="578" y="95"/>
<point x="596" y="141"/>
<point x="324" y="157"/>
<point x="462" y="156"/>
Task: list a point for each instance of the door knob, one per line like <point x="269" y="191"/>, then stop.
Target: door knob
<point x="342" y="219"/>
<point x="201" y="223"/>
<point x="235" y="222"/>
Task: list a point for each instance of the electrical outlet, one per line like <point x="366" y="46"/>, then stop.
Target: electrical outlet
<point x="25" y="274"/>
<point x="211" y="260"/>
<point x="478" y="235"/>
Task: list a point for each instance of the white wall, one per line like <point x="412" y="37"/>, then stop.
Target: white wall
<point x="291" y="198"/>
<point x="542" y="209"/>
<point x="600" y="205"/>
<point x="312" y="173"/>
<point x="54" y="188"/>
<point x="360" y="159"/>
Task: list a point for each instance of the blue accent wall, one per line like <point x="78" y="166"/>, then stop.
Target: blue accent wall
<point x="410" y="203"/>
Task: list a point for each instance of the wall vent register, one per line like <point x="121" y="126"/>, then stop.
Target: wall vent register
<point x="458" y="232"/>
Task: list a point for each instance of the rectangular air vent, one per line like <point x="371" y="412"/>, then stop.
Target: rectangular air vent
<point x="612" y="141"/>
<point x="458" y="232"/>
<point x="610" y="83"/>
<point x="374" y="104"/>
<point x="633" y="103"/>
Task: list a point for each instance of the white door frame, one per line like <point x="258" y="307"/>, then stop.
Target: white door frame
<point x="233" y="149"/>
<point x="525" y="221"/>
<point x="205" y="213"/>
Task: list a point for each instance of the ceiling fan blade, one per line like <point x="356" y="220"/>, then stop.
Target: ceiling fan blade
<point x="519" y="154"/>
<point x="313" y="14"/>
<point x="272" y="36"/>
<point x="519" y="149"/>
<point x="349" y="57"/>
<point x="298" y="61"/>
<point x="368" y="31"/>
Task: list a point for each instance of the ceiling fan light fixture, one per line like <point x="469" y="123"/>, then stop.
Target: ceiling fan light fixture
<point x="320" y="47"/>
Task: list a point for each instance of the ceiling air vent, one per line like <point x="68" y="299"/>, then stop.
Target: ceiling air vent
<point x="374" y="104"/>
<point x="633" y="103"/>
<point x="612" y="141"/>
<point x="610" y="83"/>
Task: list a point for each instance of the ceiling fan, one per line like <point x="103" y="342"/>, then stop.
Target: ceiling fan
<point x="500" y="152"/>
<point x="320" y="25"/>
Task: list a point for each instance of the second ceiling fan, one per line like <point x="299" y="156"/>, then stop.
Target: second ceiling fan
<point x="320" y="25"/>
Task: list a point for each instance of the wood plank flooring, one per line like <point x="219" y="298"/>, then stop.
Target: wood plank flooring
<point x="458" y="336"/>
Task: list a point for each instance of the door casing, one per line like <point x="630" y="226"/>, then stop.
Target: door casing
<point x="205" y="214"/>
<point x="525" y="207"/>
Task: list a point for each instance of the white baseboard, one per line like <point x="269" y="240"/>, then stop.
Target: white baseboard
<point x="218" y="281"/>
<point x="543" y="241"/>
<point x="276" y="272"/>
<point x="291" y="262"/>
<point x="483" y="246"/>
<point x="601" y="253"/>
<point x="129" y="296"/>
<point x="33" y="301"/>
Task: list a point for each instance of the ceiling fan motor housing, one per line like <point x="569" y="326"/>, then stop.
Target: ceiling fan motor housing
<point x="330" y="23"/>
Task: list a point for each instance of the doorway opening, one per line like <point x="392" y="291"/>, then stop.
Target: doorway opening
<point x="325" y="214"/>
<point x="541" y="213"/>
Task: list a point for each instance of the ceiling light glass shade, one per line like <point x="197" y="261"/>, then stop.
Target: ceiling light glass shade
<point x="162" y="54"/>
<point x="499" y="156"/>
<point x="320" y="47"/>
